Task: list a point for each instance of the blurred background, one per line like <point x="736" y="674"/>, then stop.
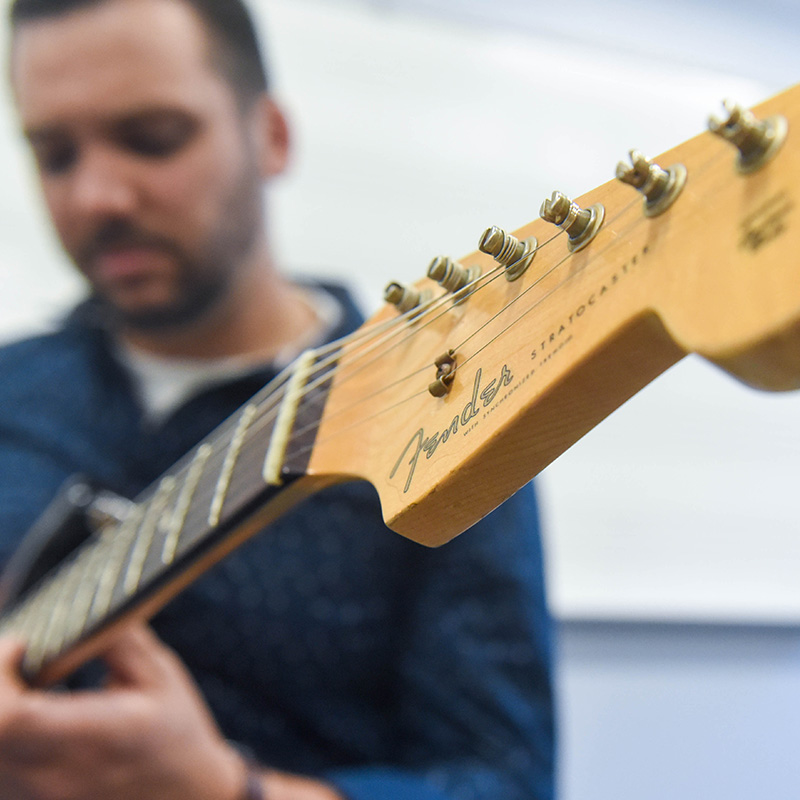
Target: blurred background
<point x="672" y="534"/>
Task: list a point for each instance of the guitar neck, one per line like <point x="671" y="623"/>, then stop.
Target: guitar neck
<point x="537" y="359"/>
<point x="471" y="381"/>
<point x="232" y="484"/>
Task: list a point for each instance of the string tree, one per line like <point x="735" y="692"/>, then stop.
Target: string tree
<point x="756" y="140"/>
<point x="452" y="276"/>
<point x="660" y="187"/>
<point x="445" y="373"/>
<point x="581" y="225"/>
<point x="508" y="251"/>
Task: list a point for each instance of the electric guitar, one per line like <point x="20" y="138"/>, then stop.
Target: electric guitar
<point x="469" y="382"/>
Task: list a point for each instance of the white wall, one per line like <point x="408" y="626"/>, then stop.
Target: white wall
<point x="417" y="130"/>
<point x="419" y="123"/>
<point x="669" y="712"/>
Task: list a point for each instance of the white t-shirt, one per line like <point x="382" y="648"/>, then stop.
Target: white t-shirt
<point x="164" y="384"/>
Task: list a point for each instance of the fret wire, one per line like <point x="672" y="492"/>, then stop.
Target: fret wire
<point x="79" y="614"/>
<point x="247" y="482"/>
<point x="118" y="551"/>
<point x="34" y="653"/>
<point x="221" y="490"/>
<point x="178" y="520"/>
<point x="287" y="411"/>
<point x="146" y="533"/>
<point x="70" y="576"/>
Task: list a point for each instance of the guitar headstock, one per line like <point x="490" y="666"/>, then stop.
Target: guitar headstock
<point x="472" y="380"/>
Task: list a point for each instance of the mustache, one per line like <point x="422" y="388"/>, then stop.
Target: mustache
<point x="121" y="234"/>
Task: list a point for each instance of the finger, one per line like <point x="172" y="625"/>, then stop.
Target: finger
<point x="11" y="653"/>
<point x="137" y="658"/>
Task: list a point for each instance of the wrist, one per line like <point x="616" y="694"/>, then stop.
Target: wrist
<point x="253" y="784"/>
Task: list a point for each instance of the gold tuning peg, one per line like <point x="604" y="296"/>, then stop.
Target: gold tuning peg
<point x="660" y="187"/>
<point x="451" y="275"/>
<point x="581" y="225"/>
<point x="508" y="251"/>
<point x="405" y="298"/>
<point x="757" y="140"/>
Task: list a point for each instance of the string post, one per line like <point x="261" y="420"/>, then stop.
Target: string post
<point x="450" y="275"/>
<point x="508" y="251"/>
<point x="756" y="140"/>
<point x="660" y="187"/>
<point x="581" y="225"/>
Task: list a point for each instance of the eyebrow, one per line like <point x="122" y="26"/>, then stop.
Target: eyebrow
<point x="113" y="122"/>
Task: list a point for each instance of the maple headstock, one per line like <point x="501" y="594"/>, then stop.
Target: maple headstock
<point x="588" y="304"/>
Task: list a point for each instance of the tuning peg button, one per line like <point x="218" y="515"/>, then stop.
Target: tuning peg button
<point x="660" y="187"/>
<point x="757" y="140"/>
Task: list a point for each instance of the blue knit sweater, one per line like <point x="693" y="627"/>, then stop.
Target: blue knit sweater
<point x="327" y="644"/>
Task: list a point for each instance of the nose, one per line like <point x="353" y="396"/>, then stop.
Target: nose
<point x="102" y="186"/>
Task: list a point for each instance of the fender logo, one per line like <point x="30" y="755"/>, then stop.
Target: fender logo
<point x="420" y="443"/>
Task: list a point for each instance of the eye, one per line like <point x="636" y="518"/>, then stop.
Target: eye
<point x="158" y="135"/>
<point x="54" y="156"/>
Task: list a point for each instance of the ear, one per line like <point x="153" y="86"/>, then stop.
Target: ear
<point x="272" y="137"/>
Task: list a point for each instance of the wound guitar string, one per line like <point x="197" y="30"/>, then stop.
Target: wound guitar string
<point x="46" y="618"/>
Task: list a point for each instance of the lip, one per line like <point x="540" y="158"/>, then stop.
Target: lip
<point x="128" y="263"/>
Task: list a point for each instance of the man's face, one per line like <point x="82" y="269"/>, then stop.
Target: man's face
<point x="149" y="168"/>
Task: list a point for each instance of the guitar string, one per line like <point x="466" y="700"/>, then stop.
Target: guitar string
<point x="489" y="342"/>
<point x="273" y="389"/>
<point x="444" y="304"/>
<point x="259" y="423"/>
<point x="425" y="368"/>
<point x="272" y="392"/>
<point x="268" y="410"/>
<point x="699" y="171"/>
<point x="269" y="398"/>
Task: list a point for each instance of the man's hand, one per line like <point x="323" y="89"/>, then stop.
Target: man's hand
<point x="147" y="735"/>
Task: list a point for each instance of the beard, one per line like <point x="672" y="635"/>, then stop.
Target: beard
<point x="202" y="276"/>
<point x="196" y="282"/>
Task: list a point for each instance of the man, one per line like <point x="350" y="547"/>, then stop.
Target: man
<point x="347" y="661"/>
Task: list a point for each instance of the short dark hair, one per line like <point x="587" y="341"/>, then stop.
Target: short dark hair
<point x="237" y="53"/>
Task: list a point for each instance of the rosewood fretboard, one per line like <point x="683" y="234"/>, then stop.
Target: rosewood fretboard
<point x="184" y="522"/>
